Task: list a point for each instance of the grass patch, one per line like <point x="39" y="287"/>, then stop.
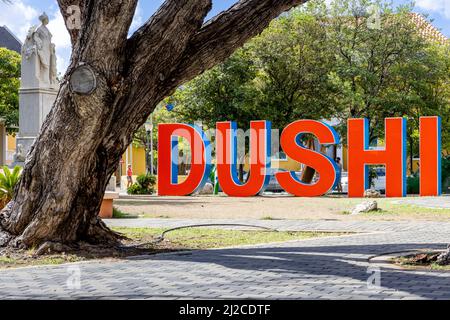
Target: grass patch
<point x="119" y="214"/>
<point x="424" y="260"/>
<point x="269" y="218"/>
<point x="142" y="242"/>
<point x="201" y="238"/>
<point x="390" y="208"/>
<point x="27" y="260"/>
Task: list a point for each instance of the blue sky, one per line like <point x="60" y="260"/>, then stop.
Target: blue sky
<point x="21" y="14"/>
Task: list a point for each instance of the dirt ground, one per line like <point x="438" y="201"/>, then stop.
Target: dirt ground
<point x="273" y="207"/>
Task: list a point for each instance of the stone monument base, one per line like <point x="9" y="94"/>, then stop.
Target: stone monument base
<point x="35" y="104"/>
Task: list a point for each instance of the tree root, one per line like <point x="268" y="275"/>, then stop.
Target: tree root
<point x="99" y="233"/>
<point x="95" y="232"/>
<point x="444" y="258"/>
<point x="5" y="238"/>
<point x="52" y="247"/>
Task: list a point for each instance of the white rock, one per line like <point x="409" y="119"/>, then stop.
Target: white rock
<point x="365" y="207"/>
<point x="207" y="189"/>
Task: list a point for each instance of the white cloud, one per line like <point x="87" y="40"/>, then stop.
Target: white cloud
<point x="18" y="17"/>
<point x="61" y="39"/>
<point x="440" y="6"/>
<point x="138" y="19"/>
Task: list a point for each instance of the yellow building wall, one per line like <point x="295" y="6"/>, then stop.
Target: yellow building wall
<point x="344" y="158"/>
<point x="416" y="163"/>
<point x="288" y="164"/>
<point x="10" y="149"/>
<point x="11" y="142"/>
<point x="137" y="159"/>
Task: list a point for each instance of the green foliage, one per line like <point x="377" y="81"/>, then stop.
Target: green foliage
<point x="8" y="182"/>
<point x="445" y="174"/>
<point x="278" y="77"/>
<point x="119" y="214"/>
<point x="293" y="63"/>
<point x="145" y="185"/>
<point x="382" y="72"/>
<point x="224" y="93"/>
<point x="445" y="168"/>
<point x="146" y="181"/>
<point x="413" y="184"/>
<point x="9" y="87"/>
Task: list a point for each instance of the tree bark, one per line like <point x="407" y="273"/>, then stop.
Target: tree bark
<point x="83" y="138"/>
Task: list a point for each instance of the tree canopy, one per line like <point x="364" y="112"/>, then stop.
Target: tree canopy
<point x="344" y="60"/>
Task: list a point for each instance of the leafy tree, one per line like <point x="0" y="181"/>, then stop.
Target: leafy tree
<point x="424" y="89"/>
<point x="9" y="87"/>
<point x="349" y="59"/>
<point x="224" y="93"/>
<point x="279" y="76"/>
<point x="293" y="63"/>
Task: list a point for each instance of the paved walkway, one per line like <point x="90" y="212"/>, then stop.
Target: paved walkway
<point x="324" y="268"/>
<point x="428" y="202"/>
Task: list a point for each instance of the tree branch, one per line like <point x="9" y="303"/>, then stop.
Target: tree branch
<point x="172" y="48"/>
<point x="166" y="33"/>
<point x="152" y="54"/>
<point x="228" y="31"/>
<point x="102" y="26"/>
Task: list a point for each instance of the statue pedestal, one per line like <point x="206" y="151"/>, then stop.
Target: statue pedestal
<point x="35" y="105"/>
<point x="38" y="86"/>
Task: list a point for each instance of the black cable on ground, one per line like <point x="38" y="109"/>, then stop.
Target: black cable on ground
<point x="162" y="236"/>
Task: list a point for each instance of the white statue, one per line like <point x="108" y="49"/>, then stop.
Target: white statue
<point x="20" y="155"/>
<point x="39" y="57"/>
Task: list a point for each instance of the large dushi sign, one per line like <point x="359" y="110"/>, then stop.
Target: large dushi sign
<point x="226" y="154"/>
<point x="291" y="142"/>
<point x="393" y="157"/>
<point x="360" y="157"/>
<point x="168" y="137"/>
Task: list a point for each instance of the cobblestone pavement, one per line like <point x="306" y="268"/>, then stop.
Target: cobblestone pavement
<point x="323" y="268"/>
<point x="431" y="202"/>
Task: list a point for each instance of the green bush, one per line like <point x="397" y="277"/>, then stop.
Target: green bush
<point x="145" y="185"/>
<point x="118" y="214"/>
<point x="146" y="181"/>
<point x="445" y="174"/>
<point x="412" y="184"/>
<point x="8" y="182"/>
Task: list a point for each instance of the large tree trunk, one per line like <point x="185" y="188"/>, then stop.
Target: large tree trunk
<point x="84" y="136"/>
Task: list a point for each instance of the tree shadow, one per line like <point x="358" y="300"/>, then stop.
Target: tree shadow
<point x="347" y="261"/>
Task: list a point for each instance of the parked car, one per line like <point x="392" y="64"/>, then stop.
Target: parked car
<point x="273" y="185"/>
<point x="379" y="183"/>
<point x="344" y="182"/>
